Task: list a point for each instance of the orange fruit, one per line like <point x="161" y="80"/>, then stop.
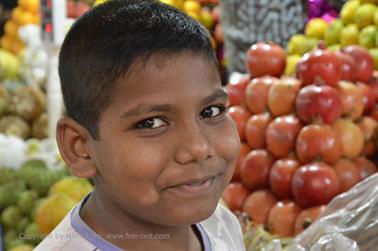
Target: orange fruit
<point x="11" y="28"/>
<point x="29" y="5"/>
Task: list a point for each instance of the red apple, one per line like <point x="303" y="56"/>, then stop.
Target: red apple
<point x="282" y="95"/>
<point x="236" y="89"/>
<point x="348" y="174"/>
<point x="314" y="102"/>
<point x="319" y="67"/>
<point x="315" y="184"/>
<point x="240" y="115"/>
<point x="234" y="195"/>
<point x="281" y="135"/>
<point x="365" y="167"/>
<point x="318" y="142"/>
<point x="255" y="130"/>
<point x="256" y="94"/>
<point x="373" y="83"/>
<point x="281" y="219"/>
<point x="307" y="217"/>
<point x="351" y="138"/>
<point x="365" y="62"/>
<point x="255" y="169"/>
<point x="348" y="66"/>
<point x="368" y="97"/>
<point x="258" y="204"/>
<point x="352" y="100"/>
<point x="266" y="59"/>
<point x="280" y="177"/>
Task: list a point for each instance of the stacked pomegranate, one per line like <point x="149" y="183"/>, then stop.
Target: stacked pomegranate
<point x="304" y="139"/>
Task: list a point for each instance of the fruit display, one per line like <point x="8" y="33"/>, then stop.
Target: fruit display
<point x="22" y="112"/>
<point x="26" y="12"/>
<point x="356" y="25"/>
<point x="36" y="190"/>
<point x="34" y="199"/>
<point x="304" y="139"/>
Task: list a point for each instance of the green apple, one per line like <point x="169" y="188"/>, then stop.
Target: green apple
<point x="374" y="53"/>
<point x="349" y="35"/>
<point x="334" y="47"/>
<point x="300" y="44"/>
<point x="9" y="65"/>
<point x="291" y="64"/>
<point x="348" y="11"/>
<point x="366" y="38"/>
<point x="365" y="15"/>
<point x="333" y="32"/>
<point x="316" y="28"/>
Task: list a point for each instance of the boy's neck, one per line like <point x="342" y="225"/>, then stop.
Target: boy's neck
<point x="107" y="219"/>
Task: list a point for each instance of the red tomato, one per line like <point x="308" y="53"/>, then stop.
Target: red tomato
<point x="266" y="59"/>
<point x="280" y="177"/>
<point x="255" y="130"/>
<point x="236" y="90"/>
<point x="307" y="217"/>
<point x="281" y="135"/>
<point x="244" y="149"/>
<point x="282" y="217"/>
<point x="351" y="138"/>
<point x="348" y="66"/>
<point x="256" y="94"/>
<point x="315" y="184"/>
<point x="314" y="102"/>
<point x="348" y="174"/>
<point x="255" y="169"/>
<point x="234" y="195"/>
<point x="258" y="204"/>
<point x="240" y="115"/>
<point x="365" y="167"/>
<point x="319" y="67"/>
<point x="365" y="62"/>
<point x="318" y="142"/>
<point x="282" y="95"/>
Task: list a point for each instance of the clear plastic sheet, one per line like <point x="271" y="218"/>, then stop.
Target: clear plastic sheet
<point x="349" y="223"/>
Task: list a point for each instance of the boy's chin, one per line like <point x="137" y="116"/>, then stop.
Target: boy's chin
<point x="191" y="214"/>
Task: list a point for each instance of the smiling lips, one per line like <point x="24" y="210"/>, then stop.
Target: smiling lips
<point x="195" y="187"/>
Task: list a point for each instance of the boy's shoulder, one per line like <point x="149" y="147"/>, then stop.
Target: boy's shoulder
<point x="223" y="230"/>
<point x="64" y="237"/>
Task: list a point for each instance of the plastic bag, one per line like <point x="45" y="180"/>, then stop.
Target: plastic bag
<point x="349" y="223"/>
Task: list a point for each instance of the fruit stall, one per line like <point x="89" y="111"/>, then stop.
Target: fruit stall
<point x="306" y="115"/>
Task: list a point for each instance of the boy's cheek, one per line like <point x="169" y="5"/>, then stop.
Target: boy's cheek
<point x="229" y="143"/>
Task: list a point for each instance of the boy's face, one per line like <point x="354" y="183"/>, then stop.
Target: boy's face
<point x="167" y="148"/>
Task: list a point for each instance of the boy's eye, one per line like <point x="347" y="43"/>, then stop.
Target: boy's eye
<point x="151" y="123"/>
<point x="212" y="111"/>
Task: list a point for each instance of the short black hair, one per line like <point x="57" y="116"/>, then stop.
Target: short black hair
<point x="102" y="44"/>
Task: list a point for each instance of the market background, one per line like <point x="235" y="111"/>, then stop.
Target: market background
<point x="302" y="81"/>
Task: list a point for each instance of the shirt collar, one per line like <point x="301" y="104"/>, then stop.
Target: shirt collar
<point x="100" y="243"/>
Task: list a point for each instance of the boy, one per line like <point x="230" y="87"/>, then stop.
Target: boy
<point x="147" y="122"/>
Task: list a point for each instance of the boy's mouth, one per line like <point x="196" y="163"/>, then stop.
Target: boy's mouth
<point x="195" y="187"/>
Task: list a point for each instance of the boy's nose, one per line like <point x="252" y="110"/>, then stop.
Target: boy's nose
<point x="193" y="145"/>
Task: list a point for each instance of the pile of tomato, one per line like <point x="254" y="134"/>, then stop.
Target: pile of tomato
<point x="305" y="138"/>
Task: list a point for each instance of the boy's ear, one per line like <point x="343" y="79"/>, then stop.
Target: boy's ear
<point x="72" y="139"/>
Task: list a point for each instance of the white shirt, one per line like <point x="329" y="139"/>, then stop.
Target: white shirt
<point x="220" y="232"/>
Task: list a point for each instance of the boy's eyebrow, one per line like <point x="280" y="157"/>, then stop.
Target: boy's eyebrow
<point x="147" y="108"/>
<point x="217" y="94"/>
